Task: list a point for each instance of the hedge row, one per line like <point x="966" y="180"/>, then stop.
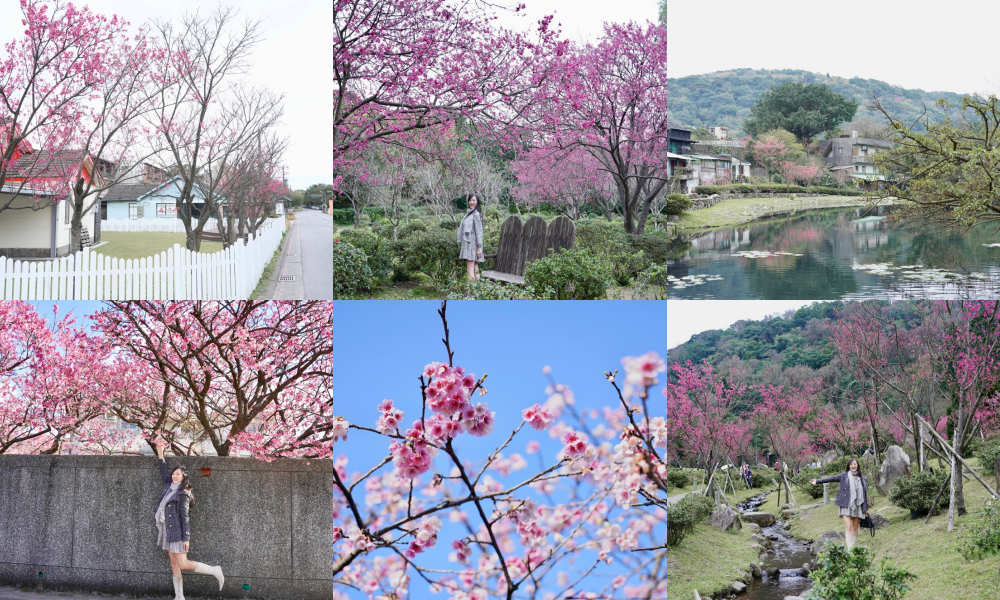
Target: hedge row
<point x="775" y="188"/>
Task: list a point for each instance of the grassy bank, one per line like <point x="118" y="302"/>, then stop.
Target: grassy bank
<point x="708" y="560"/>
<point x="737" y="211"/>
<point x="928" y="551"/>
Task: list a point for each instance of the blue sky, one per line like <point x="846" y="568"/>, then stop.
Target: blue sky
<point x="380" y="349"/>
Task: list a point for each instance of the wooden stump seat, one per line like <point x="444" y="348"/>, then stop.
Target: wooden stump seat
<point x="521" y="244"/>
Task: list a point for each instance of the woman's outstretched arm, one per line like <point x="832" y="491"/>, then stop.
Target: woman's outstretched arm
<point x="164" y="471"/>
<point x="830" y="479"/>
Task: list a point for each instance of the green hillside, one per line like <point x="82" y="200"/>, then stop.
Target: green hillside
<point x="725" y="97"/>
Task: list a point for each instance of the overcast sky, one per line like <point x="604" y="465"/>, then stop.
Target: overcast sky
<point x="932" y="47"/>
<point x="294" y="59"/>
<point x="688" y="317"/>
<point x="584" y="19"/>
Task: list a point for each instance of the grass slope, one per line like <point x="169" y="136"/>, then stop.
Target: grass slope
<point x="725" y="97"/>
<point x="708" y="560"/>
<point x="928" y="551"/>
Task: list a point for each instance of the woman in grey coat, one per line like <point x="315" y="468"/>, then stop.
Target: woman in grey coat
<point x="173" y="525"/>
<point x="852" y="498"/>
<point x="470" y="236"/>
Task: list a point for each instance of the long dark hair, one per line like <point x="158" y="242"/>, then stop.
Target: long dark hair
<point x="854" y="460"/>
<point x="186" y="486"/>
<point x="479" y="204"/>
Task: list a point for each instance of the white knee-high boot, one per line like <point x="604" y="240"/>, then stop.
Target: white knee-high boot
<point x="214" y="571"/>
<point x="179" y="588"/>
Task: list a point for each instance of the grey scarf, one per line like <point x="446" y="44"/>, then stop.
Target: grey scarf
<point x="856" y="491"/>
<point x="160" y="517"/>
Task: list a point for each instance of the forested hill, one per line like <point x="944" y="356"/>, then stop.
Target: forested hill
<point x="725" y="97"/>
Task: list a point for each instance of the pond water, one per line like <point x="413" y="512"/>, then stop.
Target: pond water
<point x="786" y="553"/>
<point x="842" y="253"/>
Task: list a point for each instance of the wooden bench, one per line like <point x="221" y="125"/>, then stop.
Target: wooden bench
<point x="520" y="244"/>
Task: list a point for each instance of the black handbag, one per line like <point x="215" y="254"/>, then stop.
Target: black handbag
<point x="867" y="523"/>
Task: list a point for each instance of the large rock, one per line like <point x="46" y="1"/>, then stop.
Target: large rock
<point x="895" y="466"/>
<point x="754" y="528"/>
<point x="829" y="457"/>
<point x="738" y="587"/>
<point x="726" y="519"/>
<point x="879" y="521"/>
<point x="763" y="541"/>
<point x="760" y="518"/>
<point x="755" y="571"/>
<point x="826" y="538"/>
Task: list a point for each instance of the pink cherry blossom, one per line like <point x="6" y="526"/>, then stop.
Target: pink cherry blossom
<point x="537" y="417"/>
<point x="478" y="421"/>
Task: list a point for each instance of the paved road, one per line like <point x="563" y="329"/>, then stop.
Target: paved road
<point x="9" y="593"/>
<point x="308" y="257"/>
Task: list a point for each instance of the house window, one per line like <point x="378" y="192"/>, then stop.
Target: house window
<point x="104" y="211"/>
<point x="166" y="210"/>
<point x="840" y="151"/>
<point x="134" y="211"/>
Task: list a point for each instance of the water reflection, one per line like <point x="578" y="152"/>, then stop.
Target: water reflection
<point x="823" y="255"/>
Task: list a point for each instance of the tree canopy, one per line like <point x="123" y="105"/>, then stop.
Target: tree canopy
<point x="950" y="172"/>
<point x="803" y="109"/>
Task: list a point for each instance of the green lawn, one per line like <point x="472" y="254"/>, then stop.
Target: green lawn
<point x="708" y="560"/>
<point x="138" y="245"/>
<point x="743" y="210"/>
<point x="928" y="551"/>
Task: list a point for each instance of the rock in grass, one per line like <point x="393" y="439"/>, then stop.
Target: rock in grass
<point x="738" y="587"/>
<point x="755" y="571"/>
<point x="826" y="538"/>
<point x="760" y="518"/>
<point x="726" y="519"/>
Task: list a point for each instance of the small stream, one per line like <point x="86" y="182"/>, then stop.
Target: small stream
<point x="786" y="554"/>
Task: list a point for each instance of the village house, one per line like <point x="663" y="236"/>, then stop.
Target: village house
<point x="850" y="157"/>
<point x="35" y="216"/>
<point x="150" y="196"/>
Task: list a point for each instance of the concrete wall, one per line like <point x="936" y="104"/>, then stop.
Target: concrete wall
<point x="86" y="522"/>
<point x="26" y="233"/>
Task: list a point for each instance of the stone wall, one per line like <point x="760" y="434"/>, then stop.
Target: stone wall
<point x="86" y="522"/>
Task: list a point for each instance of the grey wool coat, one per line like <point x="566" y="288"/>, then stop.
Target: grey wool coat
<point x="176" y="512"/>
<point x="844" y="493"/>
<point x="470" y="236"/>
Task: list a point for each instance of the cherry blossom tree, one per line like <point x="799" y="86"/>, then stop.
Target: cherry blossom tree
<point x="249" y="376"/>
<point x="701" y="426"/>
<point x="410" y="65"/>
<point x="600" y="501"/>
<point x="209" y="117"/>
<point x="569" y="180"/>
<point x="610" y="99"/>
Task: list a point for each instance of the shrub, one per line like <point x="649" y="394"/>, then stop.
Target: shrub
<point x="623" y="257"/>
<point x="351" y="273"/>
<point x="448" y="225"/>
<point x="568" y="275"/>
<point x="654" y="244"/>
<point x="677" y="204"/>
<point x="376" y="248"/>
<point x="680" y="522"/>
<point x="699" y="505"/>
<point x="802" y="480"/>
<point x="678" y="478"/>
<point x="410" y="228"/>
<point x="759" y="478"/>
<point x="837" y="466"/>
<point x="843" y="575"/>
<point x="917" y="491"/>
<point x="987" y="451"/>
<point x="433" y="253"/>
<point x="775" y="188"/>
<point x="651" y="283"/>
<point x="343" y="216"/>
<point x="486" y="289"/>
<point x="985" y="538"/>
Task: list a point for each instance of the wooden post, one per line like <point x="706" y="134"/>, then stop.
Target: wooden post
<point x="951" y="451"/>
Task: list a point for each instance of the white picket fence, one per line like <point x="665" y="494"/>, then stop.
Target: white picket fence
<point x="155" y="226"/>
<point x="174" y="274"/>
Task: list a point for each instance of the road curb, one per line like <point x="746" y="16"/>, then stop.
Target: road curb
<point x="272" y="283"/>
